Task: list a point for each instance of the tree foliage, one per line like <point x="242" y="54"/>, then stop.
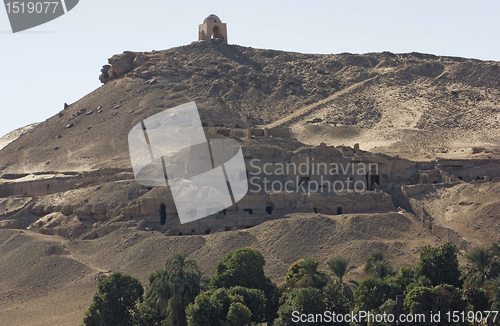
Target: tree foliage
<point x="172" y="288"/>
<point x="241" y="295"/>
<point x="440" y="264"/>
<point x="419" y="301"/>
<point x="377" y="264"/>
<point x="340" y="268"/>
<point x="238" y="315"/>
<point x="310" y="275"/>
<point x="115" y="301"/>
<point x="482" y="266"/>
<point x="307" y="300"/>
<point x="227" y="307"/>
<point x="245" y="267"/>
<point x="372" y="292"/>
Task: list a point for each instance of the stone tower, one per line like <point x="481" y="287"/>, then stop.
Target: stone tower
<point x="213" y="30"/>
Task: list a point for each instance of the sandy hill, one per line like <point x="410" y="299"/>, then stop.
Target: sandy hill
<point x="413" y="105"/>
<point x="432" y="122"/>
<point x="49" y="280"/>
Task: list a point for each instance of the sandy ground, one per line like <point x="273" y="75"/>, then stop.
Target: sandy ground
<point x="48" y="280"/>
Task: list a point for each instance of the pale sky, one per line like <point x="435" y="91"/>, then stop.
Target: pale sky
<point x="59" y="62"/>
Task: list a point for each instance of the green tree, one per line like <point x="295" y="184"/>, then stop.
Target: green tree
<point x="292" y="275"/>
<point x="173" y="288"/>
<point x="377" y="264"/>
<point x="481" y="266"/>
<point x="476" y="297"/>
<point x="440" y="264"/>
<point x="339" y="267"/>
<point x="307" y="300"/>
<point x="372" y="292"/>
<point x="227" y="307"/>
<point x="144" y="315"/>
<point x="495" y="249"/>
<point x="493" y="290"/>
<point x="115" y="301"/>
<point x="310" y="275"/>
<point x="419" y="301"/>
<point x="442" y="298"/>
<point x="408" y="278"/>
<point x="238" y="315"/>
<point x="245" y="267"/>
<point x="336" y="301"/>
<point x="253" y="299"/>
<point x="204" y="311"/>
<point x="447" y="298"/>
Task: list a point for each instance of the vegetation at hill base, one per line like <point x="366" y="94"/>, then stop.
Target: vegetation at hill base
<point x="240" y="294"/>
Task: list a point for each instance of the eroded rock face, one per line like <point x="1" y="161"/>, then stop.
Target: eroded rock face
<point x="119" y="65"/>
<point x="59" y="224"/>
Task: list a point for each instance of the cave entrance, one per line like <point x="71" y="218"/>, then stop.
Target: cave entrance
<point x="163" y="214"/>
<point x="375" y="179"/>
<point x="339" y="210"/>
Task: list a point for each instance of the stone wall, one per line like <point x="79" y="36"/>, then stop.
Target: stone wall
<point x="53" y="182"/>
<point x="255" y="209"/>
<point x="250" y="132"/>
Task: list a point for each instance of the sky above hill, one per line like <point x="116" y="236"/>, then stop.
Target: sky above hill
<point x="60" y="61"/>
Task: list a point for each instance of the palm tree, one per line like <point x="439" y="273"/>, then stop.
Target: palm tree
<point x="174" y="287"/>
<point x="482" y="266"/>
<point x="377" y="264"/>
<point x="159" y="292"/>
<point x="495" y="249"/>
<point x="339" y="267"/>
<point x="493" y="289"/>
<point x="310" y="275"/>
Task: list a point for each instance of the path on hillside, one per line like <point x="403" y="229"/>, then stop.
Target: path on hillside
<point x="306" y="110"/>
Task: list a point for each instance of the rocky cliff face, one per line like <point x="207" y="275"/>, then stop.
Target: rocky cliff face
<point x="414" y="108"/>
<point x="411" y="104"/>
<point x="431" y="124"/>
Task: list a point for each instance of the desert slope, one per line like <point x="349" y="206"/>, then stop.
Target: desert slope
<point x="416" y="105"/>
<point x="48" y="280"/>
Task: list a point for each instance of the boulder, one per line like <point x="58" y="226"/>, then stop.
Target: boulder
<point x="121" y="63"/>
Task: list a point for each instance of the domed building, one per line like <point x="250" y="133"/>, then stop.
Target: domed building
<point x="213" y="30"/>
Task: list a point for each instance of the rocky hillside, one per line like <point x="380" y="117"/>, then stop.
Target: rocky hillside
<point x="408" y="104"/>
<point x="70" y="208"/>
<point x="48" y="280"/>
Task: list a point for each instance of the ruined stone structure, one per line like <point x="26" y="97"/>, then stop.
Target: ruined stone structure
<point x="308" y="173"/>
<point x="213" y="30"/>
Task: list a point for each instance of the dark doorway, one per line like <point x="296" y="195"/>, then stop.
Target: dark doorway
<point x="375" y="179"/>
<point x="339" y="210"/>
<point x="249" y="210"/>
<point x="163" y="214"/>
<point x="304" y="180"/>
<point x="216" y="33"/>
<point x="269" y="209"/>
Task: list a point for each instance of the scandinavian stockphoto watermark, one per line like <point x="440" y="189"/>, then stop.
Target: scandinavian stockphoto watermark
<point x="24" y="15"/>
<point x="205" y="176"/>
<point x="312" y="176"/>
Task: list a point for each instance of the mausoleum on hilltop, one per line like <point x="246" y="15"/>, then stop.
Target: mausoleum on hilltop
<point x="213" y="30"/>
